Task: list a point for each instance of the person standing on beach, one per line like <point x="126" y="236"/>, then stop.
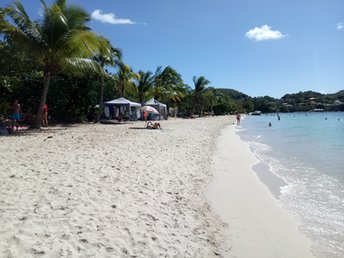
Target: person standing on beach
<point x="238" y="117"/>
<point x="45" y="116"/>
<point x="16" y="114"/>
<point x="145" y="116"/>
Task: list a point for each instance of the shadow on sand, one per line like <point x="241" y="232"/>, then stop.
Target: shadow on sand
<point x="138" y="128"/>
<point x="26" y="131"/>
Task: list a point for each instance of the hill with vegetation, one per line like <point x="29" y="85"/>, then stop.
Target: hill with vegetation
<point x="301" y="101"/>
<point x="50" y="61"/>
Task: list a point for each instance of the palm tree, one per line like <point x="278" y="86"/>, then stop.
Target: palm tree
<point x="168" y="85"/>
<point x="145" y="83"/>
<point x="158" y="82"/>
<point x="124" y="78"/>
<point x="200" y="84"/>
<point x="210" y="98"/>
<point x="60" y="39"/>
<point x="106" y="56"/>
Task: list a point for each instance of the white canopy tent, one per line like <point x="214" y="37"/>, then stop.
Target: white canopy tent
<point x="122" y="108"/>
<point x="161" y="107"/>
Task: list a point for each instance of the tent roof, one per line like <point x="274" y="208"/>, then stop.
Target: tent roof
<point x="153" y="101"/>
<point x="122" y="101"/>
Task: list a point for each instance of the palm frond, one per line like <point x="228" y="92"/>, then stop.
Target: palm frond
<point x="77" y="44"/>
<point x="20" y="9"/>
<point x="84" y="64"/>
<point x="33" y="47"/>
<point x="61" y="3"/>
<point x="77" y="17"/>
<point x="24" y="33"/>
<point x="44" y="4"/>
<point x="23" y="22"/>
<point x="54" y="25"/>
<point x="117" y="52"/>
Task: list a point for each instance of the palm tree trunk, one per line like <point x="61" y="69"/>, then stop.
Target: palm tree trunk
<point x="38" y="119"/>
<point x="141" y="98"/>
<point x="100" y="110"/>
<point x="192" y="110"/>
<point x="194" y="105"/>
<point x="122" y="89"/>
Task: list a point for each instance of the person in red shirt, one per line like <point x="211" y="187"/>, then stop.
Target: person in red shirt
<point x="45" y="116"/>
<point x="238" y="117"/>
<point x="145" y="116"/>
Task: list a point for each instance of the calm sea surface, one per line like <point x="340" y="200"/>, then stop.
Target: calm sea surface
<point x="306" y="150"/>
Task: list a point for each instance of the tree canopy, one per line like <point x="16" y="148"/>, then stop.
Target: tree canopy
<point x="58" y="59"/>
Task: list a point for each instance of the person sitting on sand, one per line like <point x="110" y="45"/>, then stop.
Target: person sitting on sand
<point x="150" y="125"/>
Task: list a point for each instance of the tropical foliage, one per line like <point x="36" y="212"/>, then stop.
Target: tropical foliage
<point x="106" y="55"/>
<point x="61" y="39"/>
<point x="168" y="85"/>
<point x="200" y="84"/>
<point x="125" y="79"/>
<point x="144" y="85"/>
<point x="59" y="60"/>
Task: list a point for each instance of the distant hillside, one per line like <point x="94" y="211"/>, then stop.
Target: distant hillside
<point x="301" y="101"/>
<point x="339" y="95"/>
<point x="233" y="94"/>
<point x="311" y="100"/>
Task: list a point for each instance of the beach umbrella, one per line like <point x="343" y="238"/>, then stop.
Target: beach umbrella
<point x="149" y="109"/>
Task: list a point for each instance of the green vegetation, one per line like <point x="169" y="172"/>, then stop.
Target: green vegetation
<point x="106" y="55"/>
<point x="58" y="60"/>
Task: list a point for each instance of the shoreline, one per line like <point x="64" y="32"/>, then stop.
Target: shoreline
<point x="117" y="190"/>
<point x="269" y="179"/>
<point x="257" y="225"/>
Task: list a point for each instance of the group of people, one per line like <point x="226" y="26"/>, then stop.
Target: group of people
<point x="238" y="118"/>
<point x="16" y="115"/>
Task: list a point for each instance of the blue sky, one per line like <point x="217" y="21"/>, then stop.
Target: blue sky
<point x="259" y="47"/>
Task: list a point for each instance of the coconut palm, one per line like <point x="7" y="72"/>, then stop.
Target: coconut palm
<point x="125" y="77"/>
<point x="106" y="56"/>
<point x="210" y="98"/>
<point x="200" y="84"/>
<point x="176" y="92"/>
<point x="168" y="85"/>
<point x="60" y="39"/>
<point x="144" y="84"/>
<point x="158" y="83"/>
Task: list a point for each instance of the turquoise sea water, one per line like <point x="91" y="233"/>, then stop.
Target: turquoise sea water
<point x="306" y="151"/>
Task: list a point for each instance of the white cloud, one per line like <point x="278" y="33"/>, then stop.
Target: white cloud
<point x="109" y="18"/>
<point x="340" y="26"/>
<point x="264" y="33"/>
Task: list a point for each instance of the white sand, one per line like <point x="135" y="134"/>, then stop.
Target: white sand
<point x="116" y="191"/>
<point x="257" y="225"/>
<point x="109" y="191"/>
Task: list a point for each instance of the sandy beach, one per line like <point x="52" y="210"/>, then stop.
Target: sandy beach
<point x="98" y="190"/>
<point x="257" y="224"/>
<point x="109" y="191"/>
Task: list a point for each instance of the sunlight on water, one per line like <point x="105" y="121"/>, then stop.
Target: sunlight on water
<point x="306" y="150"/>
